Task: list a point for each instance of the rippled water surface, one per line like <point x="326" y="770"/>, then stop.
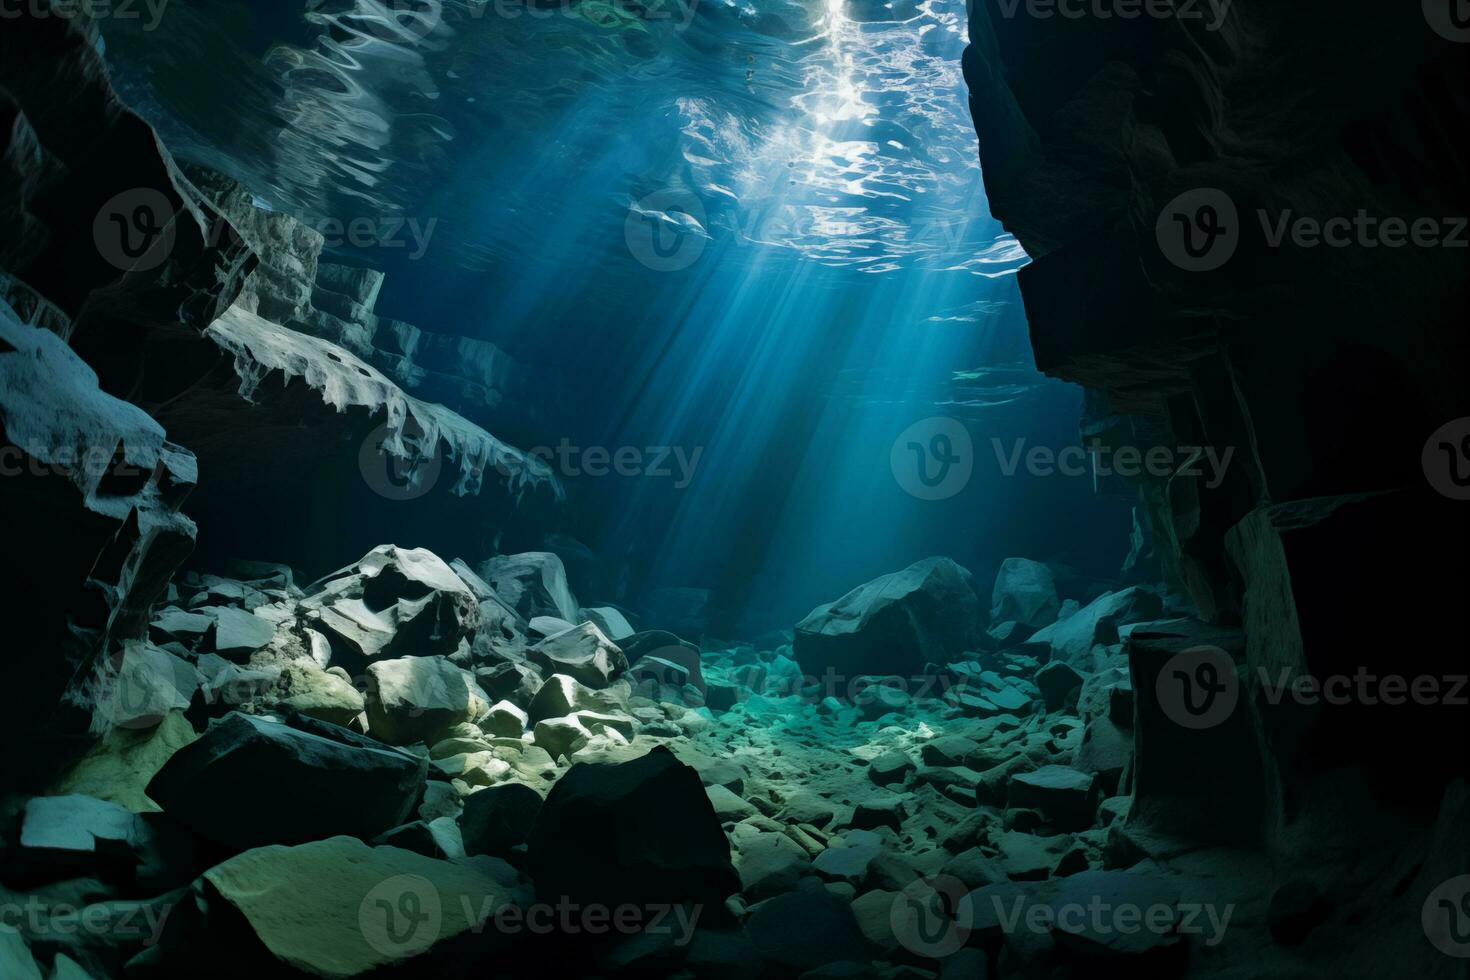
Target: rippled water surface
<point x="835" y="129"/>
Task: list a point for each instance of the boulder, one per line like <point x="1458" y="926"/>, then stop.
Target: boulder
<point x="890" y="768"/>
<point x="666" y="647"/>
<point x="339" y="908"/>
<point x="1071" y="640"/>
<point x="418" y="699"/>
<point x="77" y="836"/>
<point x="138" y="687"/>
<point x="581" y="652"/>
<point x="611" y="621"/>
<point x="849" y="863"/>
<point x="897" y="624"/>
<point x="237" y="633"/>
<point x="728" y="805"/>
<point x="509" y="680"/>
<point x="505" y="720"/>
<point x="1057" y="681"/>
<point x="770" y="863"/>
<point x="804" y="930"/>
<point x="437" y="838"/>
<point x="305" y="688"/>
<point x="248" y="781"/>
<point x="549" y="625"/>
<point x="1066" y="797"/>
<point x="1024" y="593"/>
<point x="948" y="750"/>
<point x="1025" y="857"/>
<point x="561" y="736"/>
<point x="533" y="584"/>
<point x="1092" y="937"/>
<point x="1105" y="752"/>
<point x="562" y="695"/>
<point x="392" y="603"/>
<point x="498" y="818"/>
<point x="641" y="831"/>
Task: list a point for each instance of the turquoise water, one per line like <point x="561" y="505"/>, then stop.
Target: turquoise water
<point x="751" y="236"/>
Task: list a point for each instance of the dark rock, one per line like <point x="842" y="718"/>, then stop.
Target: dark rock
<point x="429" y="838"/>
<point x="1058" y="682"/>
<point x="948" y="750"/>
<point x="498" y="818"/>
<point x="1093" y="937"/>
<point x="1072" y="639"/>
<point x="509" y="681"/>
<point x="641" y="832"/>
<point x="769" y="864"/>
<point x="322" y="909"/>
<point x="533" y="584"/>
<point x="927" y="613"/>
<point x="721" y="697"/>
<point x="581" y="652"/>
<point x="1024" y="593"/>
<point x="247" y="782"/>
<point x="851" y="862"/>
<point x="887" y="810"/>
<point x="1065" y="796"/>
<point x="393" y="602"/>
<point x="418" y="699"/>
<point x="1106" y="751"/>
<point x="804" y="930"/>
<point x="889" y="768"/>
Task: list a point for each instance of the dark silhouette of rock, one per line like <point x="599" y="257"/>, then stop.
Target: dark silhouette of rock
<point x="927" y="613"/>
<point x="247" y="782"/>
<point x="642" y="831"/>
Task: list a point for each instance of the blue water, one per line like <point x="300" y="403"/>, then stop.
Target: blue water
<point x="753" y="233"/>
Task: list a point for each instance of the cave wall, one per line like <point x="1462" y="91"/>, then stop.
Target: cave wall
<point x="1325" y="368"/>
<point x="162" y="340"/>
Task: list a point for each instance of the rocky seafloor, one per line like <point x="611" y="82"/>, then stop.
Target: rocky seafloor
<point x="434" y="768"/>
<point x="448" y="765"/>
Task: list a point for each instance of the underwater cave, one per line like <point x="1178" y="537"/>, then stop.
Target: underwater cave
<point x="734" y="488"/>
